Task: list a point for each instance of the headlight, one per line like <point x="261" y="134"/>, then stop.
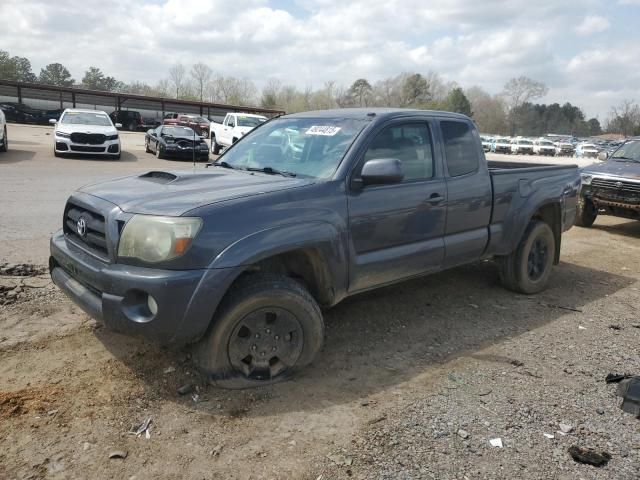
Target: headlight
<point x="157" y="239"/>
<point x="112" y="137"/>
<point x="586" y="179"/>
<point x="63" y="135"/>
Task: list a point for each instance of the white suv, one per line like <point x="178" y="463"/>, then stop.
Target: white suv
<point x="86" y="132"/>
<point x="4" y="140"/>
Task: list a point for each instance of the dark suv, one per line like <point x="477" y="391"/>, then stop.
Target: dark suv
<point x="130" y="119"/>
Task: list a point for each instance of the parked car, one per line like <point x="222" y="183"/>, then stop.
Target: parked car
<point x="545" y="147"/>
<point x="175" y="141"/>
<point x="564" y="148"/>
<point x="239" y="258"/>
<point x="586" y="150"/>
<point x="486" y="143"/>
<point x="20" y="113"/>
<point x="81" y="132"/>
<point x="4" y="139"/>
<point x="501" y="145"/>
<point x="522" y="146"/>
<point x="200" y="124"/>
<point x="611" y="187"/>
<point x="129" y="119"/>
<point x="232" y="129"/>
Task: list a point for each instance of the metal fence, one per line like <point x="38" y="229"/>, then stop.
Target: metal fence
<point x="50" y="97"/>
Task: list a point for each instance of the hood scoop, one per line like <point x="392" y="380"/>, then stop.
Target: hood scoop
<point x="159" y="177"/>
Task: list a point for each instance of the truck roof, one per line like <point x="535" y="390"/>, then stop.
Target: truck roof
<point x="364" y="113"/>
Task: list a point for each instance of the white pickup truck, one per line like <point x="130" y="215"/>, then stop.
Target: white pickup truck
<point x="234" y="127"/>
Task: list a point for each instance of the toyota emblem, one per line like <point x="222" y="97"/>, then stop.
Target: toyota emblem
<point x="619" y="185"/>
<point x="81" y="227"/>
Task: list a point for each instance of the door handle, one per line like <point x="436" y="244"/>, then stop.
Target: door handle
<point x="435" y="199"/>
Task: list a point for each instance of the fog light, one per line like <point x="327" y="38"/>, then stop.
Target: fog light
<point x="153" y="306"/>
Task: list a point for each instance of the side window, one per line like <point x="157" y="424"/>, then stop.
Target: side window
<point x="460" y="148"/>
<point x="232" y="122"/>
<point x="411" y="144"/>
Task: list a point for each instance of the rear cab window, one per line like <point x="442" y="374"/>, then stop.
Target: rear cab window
<point x="461" y="150"/>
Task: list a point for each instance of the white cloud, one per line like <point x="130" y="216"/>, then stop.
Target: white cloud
<point x="470" y="42"/>
<point x="592" y="24"/>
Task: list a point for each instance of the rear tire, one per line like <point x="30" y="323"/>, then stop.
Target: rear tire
<point x="265" y="329"/>
<point x="586" y="213"/>
<point x="528" y="268"/>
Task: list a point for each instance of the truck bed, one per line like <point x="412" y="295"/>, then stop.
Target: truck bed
<point x="520" y="187"/>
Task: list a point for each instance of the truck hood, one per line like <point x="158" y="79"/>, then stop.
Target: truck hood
<point x="630" y="170"/>
<point x="175" y="193"/>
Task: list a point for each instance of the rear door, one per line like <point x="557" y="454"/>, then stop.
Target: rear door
<point x="469" y="195"/>
<point x="396" y="230"/>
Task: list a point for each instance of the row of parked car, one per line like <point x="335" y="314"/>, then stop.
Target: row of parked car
<point x="545" y="146"/>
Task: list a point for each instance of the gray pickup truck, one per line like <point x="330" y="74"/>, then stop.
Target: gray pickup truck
<point x="239" y="258"/>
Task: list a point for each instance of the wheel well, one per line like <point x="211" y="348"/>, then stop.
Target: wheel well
<point x="307" y="266"/>
<point x="550" y="214"/>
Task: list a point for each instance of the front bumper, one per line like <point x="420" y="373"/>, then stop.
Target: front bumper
<point x="65" y="145"/>
<point x="116" y="295"/>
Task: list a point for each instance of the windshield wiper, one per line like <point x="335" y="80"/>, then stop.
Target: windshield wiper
<point x="221" y="164"/>
<point x="270" y="171"/>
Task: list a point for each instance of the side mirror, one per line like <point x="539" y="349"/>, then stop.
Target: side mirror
<point x="118" y="125"/>
<point x="53" y="121"/>
<point x="382" y="171"/>
<point x="603" y="156"/>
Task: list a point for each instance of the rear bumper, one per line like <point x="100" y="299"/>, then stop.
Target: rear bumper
<point x="117" y="295"/>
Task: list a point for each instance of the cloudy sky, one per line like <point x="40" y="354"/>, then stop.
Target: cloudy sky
<point x="587" y="52"/>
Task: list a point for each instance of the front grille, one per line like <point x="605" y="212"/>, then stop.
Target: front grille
<point x="93" y="235"/>
<point x="619" y="186"/>
<point x="88" y="138"/>
<point x="184" y="143"/>
<point x="82" y="148"/>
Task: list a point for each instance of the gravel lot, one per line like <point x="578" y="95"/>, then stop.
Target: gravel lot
<point x="413" y="383"/>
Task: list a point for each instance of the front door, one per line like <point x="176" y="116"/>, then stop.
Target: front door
<point x="396" y="231"/>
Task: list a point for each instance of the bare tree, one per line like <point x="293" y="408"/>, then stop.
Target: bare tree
<point x="270" y="93"/>
<point x="488" y="111"/>
<point x="237" y="91"/>
<point x="624" y="118"/>
<point x="201" y="75"/>
<point x="518" y="91"/>
<point x="162" y="87"/>
<point x="176" y="77"/>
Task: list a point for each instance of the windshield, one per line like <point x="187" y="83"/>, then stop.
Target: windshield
<point x="250" y="121"/>
<point x="524" y="142"/>
<point x="86" y="118"/>
<point x="308" y="147"/>
<point x="200" y="120"/>
<point x="177" y="131"/>
<point x="628" y="151"/>
<point x="546" y="143"/>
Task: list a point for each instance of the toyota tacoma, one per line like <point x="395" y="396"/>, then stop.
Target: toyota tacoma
<point x="238" y="259"/>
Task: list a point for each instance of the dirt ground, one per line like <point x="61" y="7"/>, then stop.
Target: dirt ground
<point x="413" y="382"/>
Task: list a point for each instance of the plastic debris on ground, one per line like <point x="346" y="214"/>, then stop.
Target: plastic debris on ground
<point x="144" y="426"/>
<point x="629" y="390"/>
<point x="496" y="442"/>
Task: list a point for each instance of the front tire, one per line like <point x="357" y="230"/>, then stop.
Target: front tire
<point x="215" y="147"/>
<point x="146" y="147"/>
<point x="267" y="328"/>
<point x="586" y="213"/>
<point x="5" y="141"/>
<point x="528" y="268"/>
<point x="159" y="154"/>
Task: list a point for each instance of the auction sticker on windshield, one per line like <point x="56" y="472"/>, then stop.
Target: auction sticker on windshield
<point x="326" y="130"/>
